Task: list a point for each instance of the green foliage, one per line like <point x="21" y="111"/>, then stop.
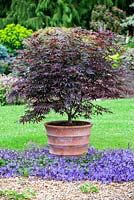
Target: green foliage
<point x="5" y="21"/>
<point x="24" y="12"/>
<point x="90" y="159"/>
<point x="130" y="43"/>
<point x="4" y="67"/>
<point x="88" y="187"/>
<point x="37" y="14"/>
<point x="13" y="195"/>
<point x="12" y="35"/>
<point x="24" y="172"/>
<point x="4" y="7"/>
<point x="117" y="59"/>
<point x="34" y="23"/>
<point x="123" y="4"/>
<point x="61" y="12"/>
<point x="2" y="162"/>
<point x="110" y="21"/>
<point x="108" y="3"/>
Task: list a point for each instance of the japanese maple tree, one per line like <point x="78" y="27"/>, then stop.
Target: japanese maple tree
<point x="65" y="70"/>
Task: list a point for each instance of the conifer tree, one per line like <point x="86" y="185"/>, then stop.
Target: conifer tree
<point x="37" y="14"/>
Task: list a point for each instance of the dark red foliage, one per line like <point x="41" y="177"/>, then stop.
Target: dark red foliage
<point x="65" y="71"/>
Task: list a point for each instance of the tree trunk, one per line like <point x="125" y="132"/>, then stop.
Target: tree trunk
<point x="69" y="119"/>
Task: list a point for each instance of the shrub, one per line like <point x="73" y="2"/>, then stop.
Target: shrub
<point x="110" y="21"/>
<point x="3" y="52"/>
<point x="128" y="58"/>
<point x="4" y="67"/>
<point x="2" y="96"/>
<point x="2" y="91"/>
<point x="65" y="71"/>
<point x="11" y="36"/>
<point x="6" y="83"/>
<point x="130" y="43"/>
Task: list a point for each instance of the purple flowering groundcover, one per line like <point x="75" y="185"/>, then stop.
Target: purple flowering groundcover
<point x="105" y="166"/>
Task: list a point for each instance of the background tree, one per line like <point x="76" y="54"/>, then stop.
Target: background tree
<point x="37" y="14"/>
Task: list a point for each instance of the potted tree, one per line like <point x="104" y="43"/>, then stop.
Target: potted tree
<point x="66" y="70"/>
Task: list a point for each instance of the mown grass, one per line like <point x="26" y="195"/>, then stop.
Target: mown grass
<point x="109" y="130"/>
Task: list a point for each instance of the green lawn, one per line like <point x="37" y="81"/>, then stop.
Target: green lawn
<point x="109" y="131"/>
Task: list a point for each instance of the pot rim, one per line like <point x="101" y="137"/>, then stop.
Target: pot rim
<point x="49" y="125"/>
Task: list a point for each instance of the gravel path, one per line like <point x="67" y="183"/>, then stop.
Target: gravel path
<point x="59" y="190"/>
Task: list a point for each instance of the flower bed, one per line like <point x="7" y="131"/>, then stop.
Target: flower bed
<point x="105" y="166"/>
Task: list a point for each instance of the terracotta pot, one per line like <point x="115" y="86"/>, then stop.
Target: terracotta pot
<point x="68" y="140"/>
